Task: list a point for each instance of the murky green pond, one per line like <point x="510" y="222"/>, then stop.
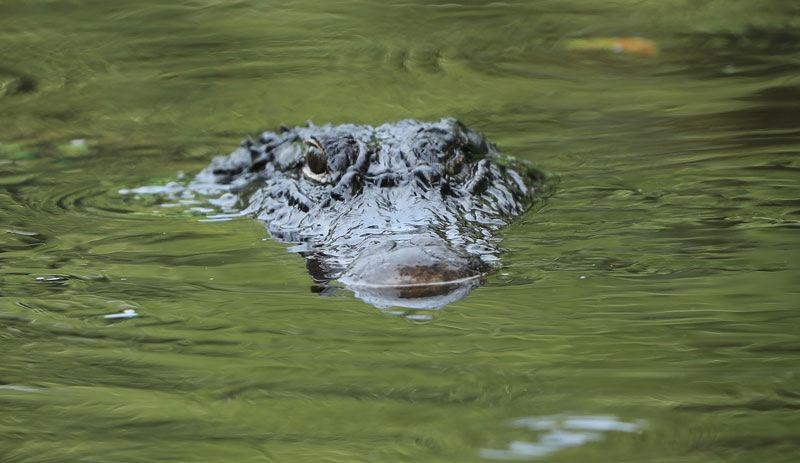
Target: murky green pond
<point x="647" y="310"/>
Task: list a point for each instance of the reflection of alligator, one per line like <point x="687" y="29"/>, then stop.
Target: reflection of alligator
<point x="402" y="214"/>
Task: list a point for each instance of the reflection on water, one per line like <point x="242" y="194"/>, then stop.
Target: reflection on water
<point x="558" y="432"/>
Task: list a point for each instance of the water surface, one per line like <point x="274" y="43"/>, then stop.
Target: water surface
<point x="647" y="310"/>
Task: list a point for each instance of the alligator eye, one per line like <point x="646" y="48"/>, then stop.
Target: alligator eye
<point x="316" y="160"/>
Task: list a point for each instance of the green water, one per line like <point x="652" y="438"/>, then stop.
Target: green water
<point x="650" y="303"/>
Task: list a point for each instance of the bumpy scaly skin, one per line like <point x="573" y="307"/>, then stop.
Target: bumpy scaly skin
<point x="343" y="190"/>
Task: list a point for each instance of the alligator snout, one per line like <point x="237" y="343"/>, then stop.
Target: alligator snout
<point x="422" y="271"/>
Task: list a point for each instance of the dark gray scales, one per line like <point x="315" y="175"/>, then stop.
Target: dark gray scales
<point x="402" y="214"/>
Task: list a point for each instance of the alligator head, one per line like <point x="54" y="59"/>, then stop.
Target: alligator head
<point x="401" y="214"/>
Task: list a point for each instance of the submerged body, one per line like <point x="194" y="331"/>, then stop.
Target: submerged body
<point x="402" y="214"/>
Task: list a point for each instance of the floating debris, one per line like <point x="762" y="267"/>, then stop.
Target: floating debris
<point x="19" y="232"/>
<point x="53" y="278"/>
<point x="75" y="146"/>
<point x="629" y="45"/>
<point x="127" y="313"/>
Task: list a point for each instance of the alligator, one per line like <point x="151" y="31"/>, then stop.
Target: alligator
<point x="402" y="214"/>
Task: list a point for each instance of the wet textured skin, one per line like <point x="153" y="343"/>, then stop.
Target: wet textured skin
<point x="403" y="214"/>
